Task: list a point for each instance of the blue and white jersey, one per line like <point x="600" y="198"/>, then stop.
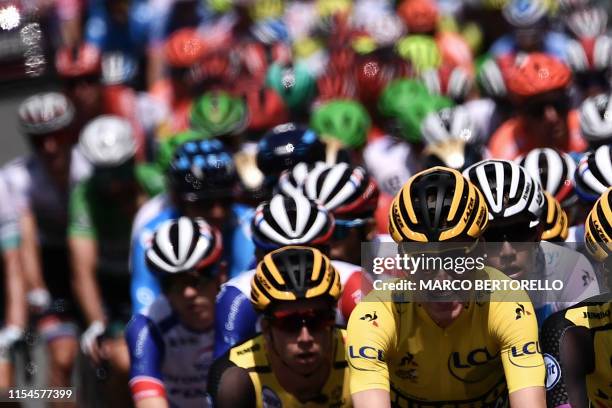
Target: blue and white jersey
<point x="168" y="359"/>
<point x="238" y="248"/>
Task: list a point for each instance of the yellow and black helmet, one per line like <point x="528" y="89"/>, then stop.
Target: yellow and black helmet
<point x="292" y="273"/>
<point x="435" y="205"/>
<point x="554" y="220"/>
<point x="597" y="228"/>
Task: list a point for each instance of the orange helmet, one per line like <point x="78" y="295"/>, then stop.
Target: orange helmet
<point x="420" y="16"/>
<point x="537" y="73"/>
<point x="184" y="48"/>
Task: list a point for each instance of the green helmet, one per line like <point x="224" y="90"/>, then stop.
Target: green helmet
<point x="168" y="146"/>
<point x="398" y="93"/>
<point x="421" y="51"/>
<point x="345" y="120"/>
<point x="218" y="113"/>
<point x="294" y="83"/>
<point x="407" y="103"/>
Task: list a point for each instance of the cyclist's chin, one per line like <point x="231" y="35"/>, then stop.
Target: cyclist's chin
<point x="197" y="317"/>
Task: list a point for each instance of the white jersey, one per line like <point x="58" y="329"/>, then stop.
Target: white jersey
<point x="9" y="222"/>
<point x="168" y="358"/>
<point x="32" y="189"/>
<point x="391" y="162"/>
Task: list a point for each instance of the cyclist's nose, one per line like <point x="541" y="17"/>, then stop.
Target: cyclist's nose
<point x="305" y="337"/>
<point x="507" y="252"/>
<point x="189" y="291"/>
<point x="50" y="145"/>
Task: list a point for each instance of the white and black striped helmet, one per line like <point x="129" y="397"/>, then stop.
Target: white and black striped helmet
<point x="594" y="174"/>
<point x="293" y="220"/>
<point x="108" y="141"/>
<point x="45" y="113"/>
<point x="183" y="245"/>
<point x="343" y="189"/>
<point x="508" y="190"/>
<point x="491" y="79"/>
<point x="291" y="181"/>
<point x="596" y="119"/>
<point x="554" y="170"/>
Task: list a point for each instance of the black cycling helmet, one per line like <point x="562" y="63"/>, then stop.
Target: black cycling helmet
<point x="287" y="145"/>
<point x="202" y="169"/>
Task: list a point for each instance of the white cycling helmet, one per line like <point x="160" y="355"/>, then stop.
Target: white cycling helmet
<point x="596" y="119"/>
<point x="554" y="170"/>
<point x="45" y="113"/>
<point x="183" y="245"/>
<point x="524" y="13"/>
<point x="294" y="220"/>
<point x="492" y="80"/>
<point x="589" y="54"/>
<point x="588" y="22"/>
<point x="292" y="180"/>
<point x="107" y="141"/>
<point x="118" y="68"/>
<point x="594" y="174"/>
<point x="508" y="189"/>
<point x="446" y="134"/>
<point x="456" y="83"/>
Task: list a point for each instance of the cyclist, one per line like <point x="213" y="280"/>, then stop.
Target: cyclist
<point x="538" y="84"/>
<point x="276" y="224"/>
<point x="577" y="342"/>
<point x="202" y="182"/>
<point x="517" y="220"/>
<point x="298" y="359"/>
<point x="13" y="312"/>
<point x="101" y="211"/>
<point x="424" y="353"/>
<point x="40" y="184"/>
<point x="171" y="342"/>
<point x="596" y="120"/>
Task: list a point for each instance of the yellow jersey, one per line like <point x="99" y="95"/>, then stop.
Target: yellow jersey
<point x="490" y="350"/>
<point x="252" y="356"/>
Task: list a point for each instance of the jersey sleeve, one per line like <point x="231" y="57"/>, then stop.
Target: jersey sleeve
<point x="371" y="337"/>
<point x="144" y="286"/>
<point x="80" y="222"/>
<point x="242" y="249"/>
<point x="235" y="319"/>
<point x="551" y="336"/>
<point x="146" y="350"/>
<point x="243" y="391"/>
<point x="10" y="235"/>
<point x="357" y="285"/>
<point x="515" y="327"/>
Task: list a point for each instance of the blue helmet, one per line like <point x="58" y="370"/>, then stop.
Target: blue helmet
<point x="287" y="145"/>
<point x="201" y="170"/>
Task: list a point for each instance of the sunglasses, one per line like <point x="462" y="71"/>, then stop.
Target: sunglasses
<point x="293" y="322"/>
<point x="511" y="234"/>
<point x="343" y="228"/>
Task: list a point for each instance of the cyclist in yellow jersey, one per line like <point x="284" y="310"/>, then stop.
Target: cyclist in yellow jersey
<point x="577" y="342"/>
<point x="451" y="353"/>
<point x="299" y="358"/>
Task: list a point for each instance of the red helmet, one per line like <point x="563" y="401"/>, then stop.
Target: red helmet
<point x="73" y="62"/>
<point x="184" y="48"/>
<point x="537" y="73"/>
<point x="266" y="109"/>
<point x="373" y="75"/>
<point x="219" y="66"/>
<point x="342" y="59"/>
<point x="420" y="16"/>
<point x="335" y="85"/>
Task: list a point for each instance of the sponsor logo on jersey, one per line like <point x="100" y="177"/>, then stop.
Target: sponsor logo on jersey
<point x="270" y="399"/>
<point x="596" y="315"/>
<point x="473" y="366"/>
<point x="367" y="352"/>
<point x="521" y="311"/>
<point x="517" y="354"/>
<point x="586" y="278"/>
<point x="553" y="371"/>
<point x="370" y="317"/>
